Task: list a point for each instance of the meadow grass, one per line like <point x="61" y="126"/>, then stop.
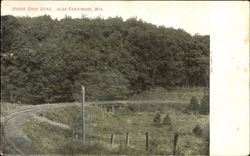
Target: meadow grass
<point x="45" y="138"/>
<point x="179" y="93"/>
<point x="137" y="119"/>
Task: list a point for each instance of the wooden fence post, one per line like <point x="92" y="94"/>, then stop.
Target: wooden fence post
<point x="73" y="134"/>
<point x="208" y="144"/>
<point x="146" y="141"/>
<point x="76" y="136"/>
<point x="127" y="140"/>
<point x="112" y="139"/>
<point x="175" y="143"/>
<point x="83" y="114"/>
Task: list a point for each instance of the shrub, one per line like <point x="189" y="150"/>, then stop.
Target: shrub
<point x="197" y="131"/>
<point x="204" y="107"/>
<point x="157" y="119"/>
<point x="167" y="120"/>
<point x="193" y="106"/>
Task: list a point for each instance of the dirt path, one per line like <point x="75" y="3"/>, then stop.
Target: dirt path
<point x="40" y="119"/>
<point x="15" y="141"/>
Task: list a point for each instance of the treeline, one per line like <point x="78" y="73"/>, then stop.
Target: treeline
<point x="46" y="60"/>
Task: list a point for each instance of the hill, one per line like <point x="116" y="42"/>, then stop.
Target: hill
<point x="45" y="60"/>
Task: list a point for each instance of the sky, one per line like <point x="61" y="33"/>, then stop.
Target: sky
<point x="191" y="16"/>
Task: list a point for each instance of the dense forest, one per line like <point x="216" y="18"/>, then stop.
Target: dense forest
<point x="45" y="60"/>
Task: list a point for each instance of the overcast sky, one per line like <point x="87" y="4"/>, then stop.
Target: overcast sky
<point x="192" y="16"/>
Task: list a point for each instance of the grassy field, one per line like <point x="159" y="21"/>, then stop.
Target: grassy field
<point x="137" y="119"/>
<point x="182" y="94"/>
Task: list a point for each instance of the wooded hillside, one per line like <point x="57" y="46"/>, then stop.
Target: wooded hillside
<point x="45" y="60"/>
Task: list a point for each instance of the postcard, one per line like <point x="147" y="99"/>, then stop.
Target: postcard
<point x="124" y="78"/>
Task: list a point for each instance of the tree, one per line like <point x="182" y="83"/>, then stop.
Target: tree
<point x="167" y="120"/>
<point x="46" y="60"/>
<point x="193" y="106"/>
<point x="204" y="106"/>
<point x="109" y="85"/>
<point x="197" y="131"/>
<point x="157" y="119"/>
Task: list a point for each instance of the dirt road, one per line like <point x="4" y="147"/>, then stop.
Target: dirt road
<point x="14" y="140"/>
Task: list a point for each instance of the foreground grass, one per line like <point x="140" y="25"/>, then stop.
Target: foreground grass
<point x="160" y="137"/>
<point x="45" y="137"/>
<point x="135" y="119"/>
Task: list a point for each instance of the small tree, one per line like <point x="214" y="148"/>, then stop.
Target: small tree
<point x="197" y="131"/>
<point x="204" y="107"/>
<point x="193" y="106"/>
<point x="167" y="120"/>
<point x="157" y="119"/>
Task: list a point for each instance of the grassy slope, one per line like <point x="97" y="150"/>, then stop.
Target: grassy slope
<point x="182" y="94"/>
<point x="45" y="138"/>
<point x="133" y="118"/>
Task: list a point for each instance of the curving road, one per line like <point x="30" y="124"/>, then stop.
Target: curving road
<point x="13" y="136"/>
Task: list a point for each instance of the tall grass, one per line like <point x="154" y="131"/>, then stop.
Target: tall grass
<point x="136" y="119"/>
<point x="182" y="94"/>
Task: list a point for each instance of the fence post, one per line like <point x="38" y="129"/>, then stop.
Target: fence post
<point x="83" y="115"/>
<point x="146" y="141"/>
<point x="175" y="143"/>
<point x="76" y="136"/>
<point x="112" y="139"/>
<point x="208" y="144"/>
<point x="127" y="139"/>
<point x="73" y="134"/>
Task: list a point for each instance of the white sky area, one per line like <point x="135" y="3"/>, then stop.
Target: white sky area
<point x="190" y="16"/>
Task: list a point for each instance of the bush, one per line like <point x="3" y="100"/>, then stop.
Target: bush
<point x="194" y="105"/>
<point x="157" y="119"/>
<point x="167" y="120"/>
<point x="197" y="131"/>
<point x="204" y="107"/>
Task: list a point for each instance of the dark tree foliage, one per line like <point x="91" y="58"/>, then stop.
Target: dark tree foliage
<point x="157" y="119"/>
<point x="46" y="60"/>
<point x="194" y="105"/>
<point x="204" y="106"/>
<point x="197" y="131"/>
<point x="166" y="120"/>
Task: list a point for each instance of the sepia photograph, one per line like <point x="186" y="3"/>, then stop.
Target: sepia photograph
<point x="105" y="78"/>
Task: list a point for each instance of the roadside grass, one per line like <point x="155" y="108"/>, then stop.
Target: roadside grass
<point x="66" y="116"/>
<point x="137" y="119"/>
<point x="179" y="93"/>
<point x="45" y="138"/>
